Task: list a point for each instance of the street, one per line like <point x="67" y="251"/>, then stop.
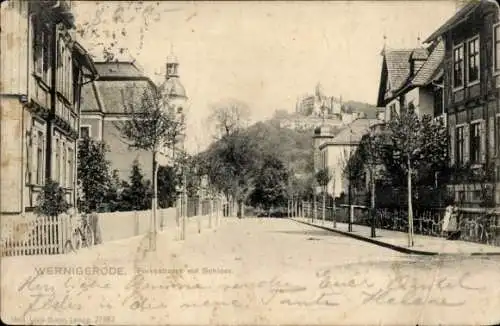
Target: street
<point x="252" y="271"/>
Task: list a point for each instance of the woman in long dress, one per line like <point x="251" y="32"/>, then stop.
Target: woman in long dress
<point x="450" y="222"/>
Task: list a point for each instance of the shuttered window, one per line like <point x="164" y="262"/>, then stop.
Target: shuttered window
<point x="460" y="144"/>
<point x="491" y="136"/>
<point x="40" y="157"/>
<point x="475" y="142"/>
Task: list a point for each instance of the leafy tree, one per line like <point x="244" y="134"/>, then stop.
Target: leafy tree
<point x="113" y="195"/>
<point x="137" y="191"/>
<point x="230" y="165"/>
<point x="270" y="183"/>
<point x="323" y="177"/>
<point x="52" y="201"/>
<point x="153" y="127"/>
<point x="167" y="186"/>
<point x="93" y="174"/>
<point x="413" y="144"/>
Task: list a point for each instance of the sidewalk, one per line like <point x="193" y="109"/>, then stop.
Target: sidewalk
<point x="423" y="245"/>
<point x="116" y="250"/>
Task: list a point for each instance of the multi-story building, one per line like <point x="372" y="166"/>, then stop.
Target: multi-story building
<point x="43" y="69"/>
<point x="471" y="93"/>
<point x="334" y="152"/>
<point x="412" y="77"/>
<point x="108" y="100"/>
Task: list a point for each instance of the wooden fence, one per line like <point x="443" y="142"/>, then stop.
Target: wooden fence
<point x="32" y="235"/>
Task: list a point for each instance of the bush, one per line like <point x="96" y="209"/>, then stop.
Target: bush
<point x="51" y="201"/>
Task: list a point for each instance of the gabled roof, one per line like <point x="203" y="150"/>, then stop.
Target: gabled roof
<point x="401" y="69"/>
<point x="430" y="68"/>
<point x="459" y="17"/>
<point x="398" y="67"/>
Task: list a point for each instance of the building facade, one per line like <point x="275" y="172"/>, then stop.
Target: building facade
<point x="43" y="70"/>
<point x="412" y="78"/>
<point x="471" y="97"/>
<point x="111" y="98"/>
<point x="335" y="152"/>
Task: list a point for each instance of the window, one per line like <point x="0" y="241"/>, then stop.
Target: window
<point x="85" y="132"/>
<point x="476" y="195"/>
<point x="473" y="64"/>
<point x="63" y="167"/>
<point x="459" y="146"/>
<point x="70" y="168"/>
<point x="475" y="142"/>
<point x="42" y="45"/>
<point x="497" y="133"/>
<point x="496" y="45"/>
<point x="57" y="162"/>
<point x="438" y="102"/>
<point x="461" y="196"/>
<point x="39" y="158"/>
<point x="458" y="67"/>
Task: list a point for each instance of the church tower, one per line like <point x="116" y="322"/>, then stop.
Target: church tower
<point x="173" y="92"/>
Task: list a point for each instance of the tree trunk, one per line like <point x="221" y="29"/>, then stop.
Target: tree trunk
<point x="372" y="203"/>
<point x="154" y="204"/>
<point x="324" y="207"/>
<point x="410" y="207"/>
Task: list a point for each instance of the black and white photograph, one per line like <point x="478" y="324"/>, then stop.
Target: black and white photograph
<point x="250" y="162"/>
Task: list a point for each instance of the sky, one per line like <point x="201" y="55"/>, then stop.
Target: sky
<point x="265" y="54"/>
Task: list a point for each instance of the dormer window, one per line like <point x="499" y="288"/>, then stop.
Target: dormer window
<point x="458" y="66"/>
<point x="473" y="61"/>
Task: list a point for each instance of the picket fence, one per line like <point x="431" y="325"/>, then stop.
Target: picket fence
<point x="33" y="235"/>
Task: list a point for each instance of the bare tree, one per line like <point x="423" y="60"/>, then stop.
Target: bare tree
<point x="229" y="116"/>
<point x="151" y="125"/>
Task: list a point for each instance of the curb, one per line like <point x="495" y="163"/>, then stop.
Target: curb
<point x="395" y="247"/>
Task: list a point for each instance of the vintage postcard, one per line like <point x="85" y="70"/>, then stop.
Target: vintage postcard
<point x="250" y="163"/>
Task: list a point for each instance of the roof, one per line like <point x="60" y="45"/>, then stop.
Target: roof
<point x="88" y="99"/>
<point x="84" y="57"/>
<point x="459" y="17"/>
<point x="352" y="134"/>
<point x="419" y="54"/>
<point x="119" y="69"/>
<point x="113" y="95"/>
<point x="398" y="65"/>
<point x="119" y="83"/>
<point x="172" y="87"/>
<point x="431" y="66"/>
